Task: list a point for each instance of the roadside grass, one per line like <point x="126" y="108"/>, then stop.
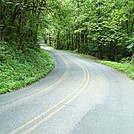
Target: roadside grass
<point x="18" y="70"/>
<point x="125" y="68"/>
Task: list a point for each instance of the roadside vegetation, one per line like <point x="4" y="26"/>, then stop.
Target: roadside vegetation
<point x="125" y="68"/>
<point x="19" y="69"/>
<point x="125" y="65"/>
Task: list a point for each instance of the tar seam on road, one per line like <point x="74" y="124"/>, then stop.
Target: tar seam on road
<point x="64" y="102"/>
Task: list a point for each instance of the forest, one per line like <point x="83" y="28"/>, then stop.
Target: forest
<point x="102" y="28"/>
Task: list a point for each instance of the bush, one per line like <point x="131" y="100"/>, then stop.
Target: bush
<point x="22" y="69"/>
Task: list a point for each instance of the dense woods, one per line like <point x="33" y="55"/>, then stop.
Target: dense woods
<point x="19" y="22"/>
<point x="102" y="28"/>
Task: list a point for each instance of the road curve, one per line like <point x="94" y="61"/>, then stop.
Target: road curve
<point x="79" y="96"/>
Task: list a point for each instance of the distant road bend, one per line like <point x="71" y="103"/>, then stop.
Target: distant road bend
<point x="79" y="96"/>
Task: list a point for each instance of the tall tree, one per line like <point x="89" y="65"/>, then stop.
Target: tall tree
<point x="22" y="22"/>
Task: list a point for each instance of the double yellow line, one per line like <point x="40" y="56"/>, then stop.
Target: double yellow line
<point x="40" y="119"/>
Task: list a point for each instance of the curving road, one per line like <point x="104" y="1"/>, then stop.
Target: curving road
<point x="79" y="96"/>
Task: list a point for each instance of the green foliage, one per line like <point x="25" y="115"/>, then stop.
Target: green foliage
<point x="126" y="68"/>
<point x="130" y="43"/>
<point x="23" y="69"/>
<point x="20" y="23"/>
<point x="102" y="28"/>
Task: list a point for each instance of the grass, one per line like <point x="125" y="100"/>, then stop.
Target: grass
<point x="125" y="68"/>
<point x="17" y="70"/>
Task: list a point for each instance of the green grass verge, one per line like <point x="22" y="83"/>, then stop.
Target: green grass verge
<point x="125" y="68"/>
<point x="18" y="70"/>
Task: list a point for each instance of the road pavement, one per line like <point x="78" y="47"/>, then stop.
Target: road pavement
<point x="79" y="96"/>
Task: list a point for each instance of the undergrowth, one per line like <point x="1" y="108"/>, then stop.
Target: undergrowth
<point x="19" y="69"/>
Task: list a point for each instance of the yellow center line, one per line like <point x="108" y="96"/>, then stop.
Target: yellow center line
<point x="75" y="93"/>
<point x="45" y="112"/>
<point x="59" y="109"/>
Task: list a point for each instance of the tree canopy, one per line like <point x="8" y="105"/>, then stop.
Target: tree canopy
<point x="102" y="28"/>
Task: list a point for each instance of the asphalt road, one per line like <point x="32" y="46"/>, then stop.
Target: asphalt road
<point x="79" y="96"/>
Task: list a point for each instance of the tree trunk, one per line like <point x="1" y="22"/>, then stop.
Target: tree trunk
<point x="78" y="41"/>
<point x="72" y="42"/>
<point x="22" y="22"/>
<point x="132" y="59"/>
<point x="36" y="32"/>
<point x="49" y="39"/>
<point x="58" y="40"/>
<point x="67" y="47"/>
<point x="100" y="51"/>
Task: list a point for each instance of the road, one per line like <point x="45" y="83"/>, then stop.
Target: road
<point x="79" y="96"/>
